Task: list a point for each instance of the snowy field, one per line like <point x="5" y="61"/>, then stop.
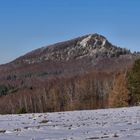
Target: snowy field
<point x="108" y="124"/>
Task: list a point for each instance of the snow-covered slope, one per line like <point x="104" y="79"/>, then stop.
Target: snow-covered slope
<point x="108" y="124"/>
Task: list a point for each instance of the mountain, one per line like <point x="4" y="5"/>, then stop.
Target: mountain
<point x="83" y="73"/>
<point x="93" y="45"/>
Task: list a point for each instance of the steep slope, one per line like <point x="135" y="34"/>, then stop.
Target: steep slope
<point x="77" y="74"/>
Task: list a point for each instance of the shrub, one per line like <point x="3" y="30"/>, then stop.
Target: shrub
<point x="21" y="111"/>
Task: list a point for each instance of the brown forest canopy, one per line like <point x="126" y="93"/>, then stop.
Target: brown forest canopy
<point x="84" y="73"/>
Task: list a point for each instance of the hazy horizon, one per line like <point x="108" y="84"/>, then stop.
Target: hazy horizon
<point x="28" y="25"/>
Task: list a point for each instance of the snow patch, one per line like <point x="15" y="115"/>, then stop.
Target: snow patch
<point x="103" y="43"/>
<point x="85" y="40"/>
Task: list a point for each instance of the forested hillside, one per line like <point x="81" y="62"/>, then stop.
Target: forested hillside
<point x="84" y="73"/>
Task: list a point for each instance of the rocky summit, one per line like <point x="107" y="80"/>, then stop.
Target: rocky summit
<point x="92" y="45"/>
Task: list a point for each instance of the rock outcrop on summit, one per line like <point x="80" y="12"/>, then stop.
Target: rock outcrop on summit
<point x="92" y="45"/>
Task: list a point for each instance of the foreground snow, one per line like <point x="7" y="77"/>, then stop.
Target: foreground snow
<point x="108" y="124"/>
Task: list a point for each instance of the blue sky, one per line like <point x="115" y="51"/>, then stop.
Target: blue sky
<point x="29" y="24"/>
